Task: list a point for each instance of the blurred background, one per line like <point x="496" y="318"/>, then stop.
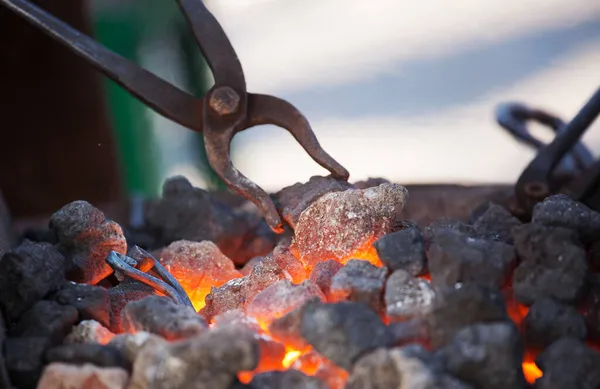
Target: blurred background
<point x="404" y="90"/>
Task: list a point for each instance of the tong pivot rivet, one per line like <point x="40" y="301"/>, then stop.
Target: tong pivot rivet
<point x="224" y="100"/>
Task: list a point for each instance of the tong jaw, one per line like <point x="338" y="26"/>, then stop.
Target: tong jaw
<point x="221" y="125"/>
<point x="227" y="109"/>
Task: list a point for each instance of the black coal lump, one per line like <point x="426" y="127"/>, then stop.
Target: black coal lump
<point x="27" y="274"/>
<point x="46" y="319"/>
<point x="487" y="355"/>
<point x="403" y="250"/>
<point x="548" y="320"/>
<point x="92" y="302"/>
<point x="462" y="305"/>
<point x="562" y="211"/>
<point x="24" y="358"/>
<point x="79" y="354"/>
<point x="496" y="222"/>
<point x="344" y="331"/>
<point x="554" y="264"/>
<point x="568" y="363"/>
<point x="457" y="257"/>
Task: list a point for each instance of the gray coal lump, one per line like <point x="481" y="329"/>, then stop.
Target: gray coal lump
<point x="487" y="355"/>
<point x="339" y="331"/>
<point x="462" y="305"/>
<point x="457" y="257"/>
<point x="569" y="363"/>
<point x="404" y="249"/>
<point x="548" y="320"/>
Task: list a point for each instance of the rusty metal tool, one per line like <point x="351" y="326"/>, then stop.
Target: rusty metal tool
<point x="536" y="182"/>
<point x="513" y="117"/>
<point x="226" y="109"/>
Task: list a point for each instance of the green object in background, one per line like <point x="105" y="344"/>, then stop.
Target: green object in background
<point x="135" y="142"/>
<point x="125" y="26"/>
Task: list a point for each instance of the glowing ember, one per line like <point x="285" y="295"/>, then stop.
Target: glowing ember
<point x="290" y="357"/>
<point x="198" y="266"/>
<point x="531" y="371"/>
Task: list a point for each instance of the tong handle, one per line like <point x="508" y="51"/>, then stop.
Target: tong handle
<point x="534" y="182"/>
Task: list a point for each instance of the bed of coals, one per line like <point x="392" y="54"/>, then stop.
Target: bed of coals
<point x="353" y="295"/>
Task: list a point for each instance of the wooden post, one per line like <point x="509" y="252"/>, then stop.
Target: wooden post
<point x="56" y="144"/>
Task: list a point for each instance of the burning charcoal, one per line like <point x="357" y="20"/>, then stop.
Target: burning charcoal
<point x="210" y="360"/>
<point x="92" y="302"/>
<point x="459" y="306"/>
<point x="341" y="225"/>
<point x="407" y="296"/>
<point x="64" y="376"/>
<point x="27" y="274"/>
<point x="554" y="264"/>
<point x="160" y="315"/>
<point x="87" y="237"/>
<point x="487" y="355"/>
<point x="250" y="264"/>
<point x="280" y="298"/>
<point x="456" y="257"/>
<point x="404" y="250"/>
<point x="288" y="329"/>
<point x="224" y="298"/>
<point x="549" y="320"/>
<point x="188" y="213"/>
<point x="569" y="363"/>
<point x="198" y="266"/>
<point x="236" y="317"/>
<point x="46" y="319"/>
<point x="284" y="258"/>
<point x="79" y="354"/>
<point x="411" y="331"/>
<point x="562" y="211"/>
<point x="293" y="200"/>
<point x="89" y="331"/>
<point x="361" y="282"/>
<point x="322" y="275"/>
<point x="237" y="293"/>
<point x="398" y="368"/>
<point x="497" y="222"/>
<point x="289" y="379"/>
<point x="24" y="360"/>
<point x="338" y="331"/>
<point x="271" y="354"/>
<point x="130" y="345"/>
<point x="122" y="294"/>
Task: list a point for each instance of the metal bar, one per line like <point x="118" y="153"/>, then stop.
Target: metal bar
<point x="158" y="94"/>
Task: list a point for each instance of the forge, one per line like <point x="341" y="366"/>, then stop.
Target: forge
<point x="365" y="289"/>
<point x="326" y="284"/>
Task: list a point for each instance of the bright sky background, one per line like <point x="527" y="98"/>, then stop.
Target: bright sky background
<point x="407" y="89"/>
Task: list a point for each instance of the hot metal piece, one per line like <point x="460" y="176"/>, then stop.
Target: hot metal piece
<point x="118" y="262"/>
<point x="147" y="262"/>
<point x="228" y="109"/>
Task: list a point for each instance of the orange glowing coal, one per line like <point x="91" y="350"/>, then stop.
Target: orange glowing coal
<point x="531" y="371"/>
<point x="309" y="361"/>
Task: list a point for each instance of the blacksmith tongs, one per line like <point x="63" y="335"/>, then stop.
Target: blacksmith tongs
<point x="226" y="110"/>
